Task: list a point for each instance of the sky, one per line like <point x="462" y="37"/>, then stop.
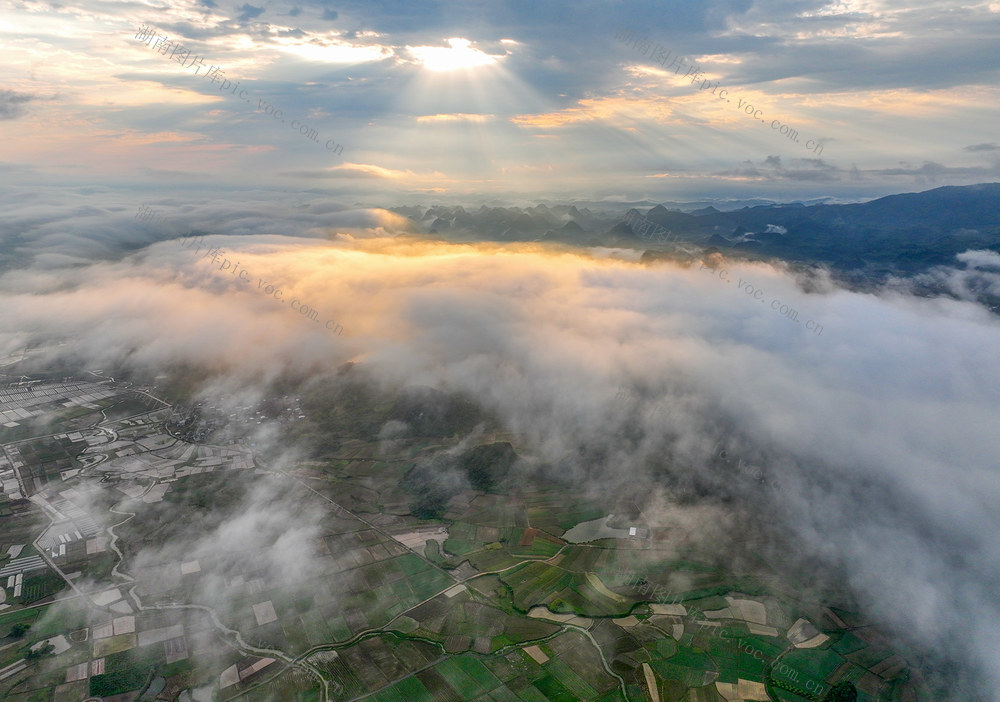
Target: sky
<point x="880" y="427"/>
<point x="386" y="103"/>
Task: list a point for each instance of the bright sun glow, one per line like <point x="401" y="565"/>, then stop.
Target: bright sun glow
<point x="336" y="52"/>
<point x="460" y="55"/>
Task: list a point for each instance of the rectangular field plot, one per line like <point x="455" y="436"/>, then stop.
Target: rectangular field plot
<point x="578" y="654"/>
<point x="570" y="680"/>
<point x="467" y="676"/>
<point x="539" y="583"/>
<point x="408" y="689"/>
<point x="375" y="663"/>
<point x="814" y="663"/>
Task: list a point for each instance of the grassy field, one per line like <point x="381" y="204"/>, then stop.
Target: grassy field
<point x="542" y="584"/>
<point x="120" y="681"/>
<point x="469" y="644"/>
<point x="514" y="676"/>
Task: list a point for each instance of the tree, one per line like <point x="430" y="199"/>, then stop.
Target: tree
<point x="488" y="464"/>
<point x="19" y="630"/>
<point x="842" y="692"/>
<point x="39" y="652"/>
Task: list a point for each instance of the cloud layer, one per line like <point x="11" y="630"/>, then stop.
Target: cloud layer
<point x="877" y="437"/>
<point x="512" y="100"/>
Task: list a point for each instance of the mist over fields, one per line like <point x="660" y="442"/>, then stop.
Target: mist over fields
<point x="873" y="442"/>
<point x="431" y="350"/>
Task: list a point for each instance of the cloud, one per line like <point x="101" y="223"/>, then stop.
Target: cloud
<point x="361" y="170"/>
<point x="366" y="171"/>
<point x="245" y="539"/>
<point x="62" y="234"/>
<point x="881" y="476"/>
<point x="460" y="54"/>
<point x="991" y="146"/>
<point x="271" y="523"/>
<point x="454" y="117"/>
<point x="980" y="259"/>
<point x="821" y="170"/>
<point x="11" y="103"/>
<point x="979" y="279"/>
<point x="609" y="110"/>
<point x="799" y="169"/>
<point x="249" y="12"/>
<point x="329" y="14"/>
<point x="886" y="480"/>
<point x="595" y="102"/>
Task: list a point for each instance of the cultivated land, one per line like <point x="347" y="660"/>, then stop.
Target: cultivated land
<point x="408" y="593"/>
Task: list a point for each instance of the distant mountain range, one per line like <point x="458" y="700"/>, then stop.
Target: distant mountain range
<point x="901" y="234"/>
<point x="509" y="223"/>
<point x="863" y="244"/>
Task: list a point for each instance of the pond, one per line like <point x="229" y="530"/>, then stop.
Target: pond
<point x="594" y="529"/>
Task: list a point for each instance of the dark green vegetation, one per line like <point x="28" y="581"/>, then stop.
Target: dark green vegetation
<point x="488" y="465"/>
<point x="134" y="669"/>
<point x="119" y="682"/>
<point x="438" y="479"/>
<point x="46" y="458"/>
<point x="38" y="587"/>
<point x="431" y="574"/>
<point x="292" y="685"/>
<point x="842" y="692"/>
<point x="571" y="670"/>
<point x="205" y="500"/>
<point x="31" y="654"/>
<point x="130" y="406"/>
<point x="349" y="408"/>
